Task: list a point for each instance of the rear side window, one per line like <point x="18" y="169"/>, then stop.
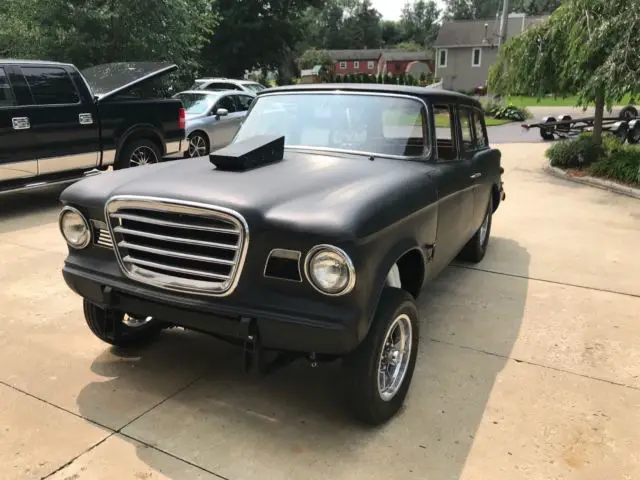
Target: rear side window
<point x="6" y="94"/>
<point x="50" y="86"/>
<point x="222" y="86"/>
<point x="445" y="132"/>
<point x="481" y="138"/>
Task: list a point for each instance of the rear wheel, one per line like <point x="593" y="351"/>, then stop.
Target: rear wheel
<point x="138" y="152"/>
<point x="380" y="370"/>
<point x="120" y="329"/>
<point x="628" y="113"/>
<point x="546" y="132"/>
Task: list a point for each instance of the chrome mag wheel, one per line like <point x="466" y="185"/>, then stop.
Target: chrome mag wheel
<point x="197" y="146"/>
<point x="395" y="356"/>
<point x="142" y="155"/>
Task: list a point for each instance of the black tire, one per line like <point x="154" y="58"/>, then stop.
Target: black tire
<point x="476" y="248"/>
<point x="137" y="145"/>
<point x="362" y="365"/>
<point x="547" y="132"/>
<point x="202" y="140"/>
<point x="633" y="135"/>
<point x="628" y="113"/>
<point x="101" y="323"/>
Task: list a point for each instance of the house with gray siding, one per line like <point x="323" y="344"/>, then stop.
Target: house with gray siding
<point x="465" y="49"/>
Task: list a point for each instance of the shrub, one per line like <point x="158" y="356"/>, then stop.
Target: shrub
<point x="620" y="163"/>
<point x="574" y="153"/>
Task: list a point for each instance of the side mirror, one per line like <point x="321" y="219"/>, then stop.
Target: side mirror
<point x="222" y="112"/>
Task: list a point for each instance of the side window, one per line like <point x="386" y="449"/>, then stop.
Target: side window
<point x="243" y="102"/>
<point x="6" y="94"/>
<point x="50" y="85"/>
<point x="481" y="139"/>
<point x="227" y="103"/>
<point x="222" y="86"/>
<point x="466" y="124"/>
<point x="445" y="132"/>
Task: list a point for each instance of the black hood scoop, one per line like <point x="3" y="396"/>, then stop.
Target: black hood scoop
<point x="247" y="154"/>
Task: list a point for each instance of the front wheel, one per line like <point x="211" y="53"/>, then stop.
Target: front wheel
<point x="198" y="145"/>
<point x="118" y="328"/>
<point x="380" y="370"/>
<point x="476" y="248"/>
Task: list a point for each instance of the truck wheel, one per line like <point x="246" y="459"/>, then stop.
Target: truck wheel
<point x="628" y="113"/>
<point x="380" y="370"/>
<point x="130" y="330"/>
<point x="137" y="152"/>
<point x="476" y="248"/>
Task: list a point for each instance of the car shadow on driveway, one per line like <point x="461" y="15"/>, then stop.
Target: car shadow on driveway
<point x="19" y="211"/>
<point x="293" y="424"/>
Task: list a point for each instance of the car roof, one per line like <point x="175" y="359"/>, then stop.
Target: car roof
<point x="445" y="95"/>
<point x="13" y="61"/>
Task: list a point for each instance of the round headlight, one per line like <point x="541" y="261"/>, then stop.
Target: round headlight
<point x="74" y="228"/>
<point x="330" y="270"/>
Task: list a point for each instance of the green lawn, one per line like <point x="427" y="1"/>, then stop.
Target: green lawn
<point x="549" y="101"/>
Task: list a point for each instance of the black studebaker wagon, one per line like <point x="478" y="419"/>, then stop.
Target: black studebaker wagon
<point x="311" y="236"/>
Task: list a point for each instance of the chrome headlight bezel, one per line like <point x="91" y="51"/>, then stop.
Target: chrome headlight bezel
<point x="345" y="260"/>
<point x="67" y="210"/>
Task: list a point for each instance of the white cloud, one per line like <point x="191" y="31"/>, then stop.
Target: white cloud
<point x="391" y="9"/>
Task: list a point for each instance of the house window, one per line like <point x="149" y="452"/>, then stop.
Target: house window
<point x="442" y="58"/>
<point x="356" y="65"/>
<point x="476" y="57"/>
<point x="343" y="65"/>
<point x="371" y="64"/>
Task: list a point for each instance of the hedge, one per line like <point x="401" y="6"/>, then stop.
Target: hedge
<point x="613" y="159"/>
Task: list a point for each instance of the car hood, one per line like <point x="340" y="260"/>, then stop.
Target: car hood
<point x="110" y="78"/>
<point x="307" y="192"/>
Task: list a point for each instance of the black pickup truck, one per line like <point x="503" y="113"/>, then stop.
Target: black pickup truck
<point x="58" y="124"/>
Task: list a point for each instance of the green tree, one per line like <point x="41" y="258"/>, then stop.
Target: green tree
<point x="313" y="57"/>
<point x="89" y="32"/>
<point x="586" y="48"/>
<point x="363" y="26"/>
<point x="419" y="22"/>
<point x="409" y="47"/>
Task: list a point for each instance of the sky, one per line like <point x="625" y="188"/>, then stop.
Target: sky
<point x="390" y="9"/>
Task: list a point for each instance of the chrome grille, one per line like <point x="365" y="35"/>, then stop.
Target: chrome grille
<point x="101" y="234"/>
<point x="178" y="245"/>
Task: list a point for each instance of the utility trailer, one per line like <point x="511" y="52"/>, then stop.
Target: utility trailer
<point x="626" y="126"/>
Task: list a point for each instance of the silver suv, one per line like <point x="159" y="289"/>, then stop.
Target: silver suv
<point x="227" y="84"/>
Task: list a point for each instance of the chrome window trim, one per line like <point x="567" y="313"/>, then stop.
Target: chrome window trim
<point x="296" y="255"/>
<point x="169" y="205"/>
<point x="352" y="271"/>
<point x="426" y="131"/>
<point x="66" y="209"/>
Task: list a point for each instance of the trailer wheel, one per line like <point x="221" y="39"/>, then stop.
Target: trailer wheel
<point x="547" y="132"/>
<point x="628" y="113"/>
<point x="620" y="130"/>
<point x="633" y="135"/>
<point x="564" y="129"/>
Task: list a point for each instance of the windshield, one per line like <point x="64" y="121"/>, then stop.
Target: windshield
<point x="374" y="124"/>
<point x="196" y="103"/>
<point x="256" y="87"/>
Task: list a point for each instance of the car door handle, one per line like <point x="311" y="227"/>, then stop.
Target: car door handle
<point x="476" y="175"/>
<point x="21" y="123"/>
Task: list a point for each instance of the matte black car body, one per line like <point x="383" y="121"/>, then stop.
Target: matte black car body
<point x="61" y="140"/>
<point x="416" y="215"/>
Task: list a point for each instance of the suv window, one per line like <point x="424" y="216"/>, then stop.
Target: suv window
<point x="243" y="102"/>
<point x="6" y="94"/>
<point x="222" y="86"/>
<point x="50" y="85"/>
<point x="445" y="132"/>
<point x="227" y="103"/>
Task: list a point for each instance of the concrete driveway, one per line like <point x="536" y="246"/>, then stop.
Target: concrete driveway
<point x="529" y="366"/>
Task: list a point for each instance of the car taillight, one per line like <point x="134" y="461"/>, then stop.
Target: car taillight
<point x="182" y="118"/>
